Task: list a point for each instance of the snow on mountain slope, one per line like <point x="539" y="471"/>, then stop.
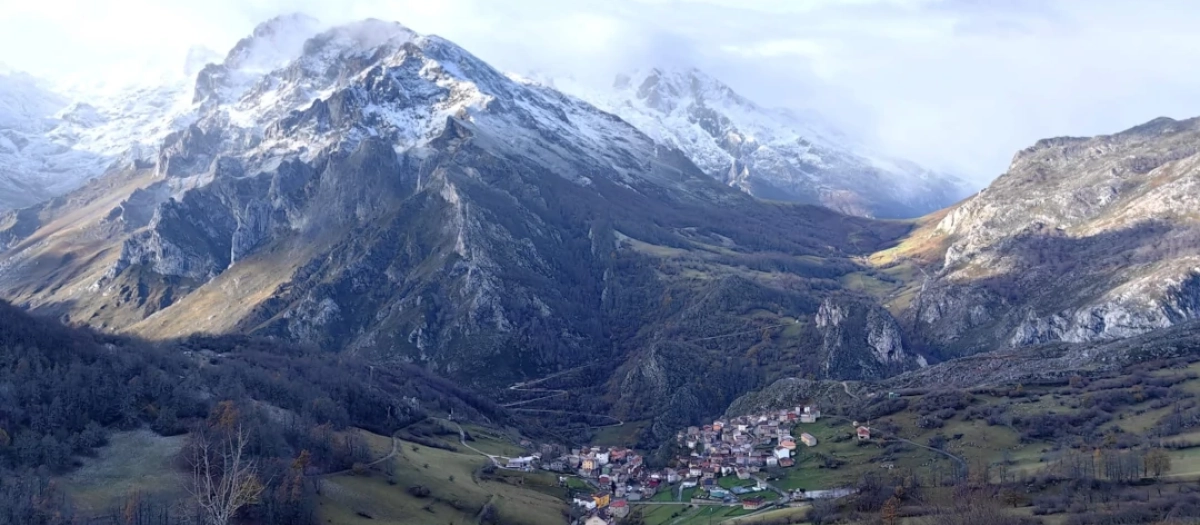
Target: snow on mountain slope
<point x="769" y="153"/>
<point x="28" y="160"/>
<point x="54" y="140"/>
<point x="376" y="79"/>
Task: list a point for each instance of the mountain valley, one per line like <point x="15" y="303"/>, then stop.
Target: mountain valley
<point x="448" y="254"/>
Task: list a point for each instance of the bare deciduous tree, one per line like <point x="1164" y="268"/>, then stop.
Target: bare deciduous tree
<point x="224" y="477"/>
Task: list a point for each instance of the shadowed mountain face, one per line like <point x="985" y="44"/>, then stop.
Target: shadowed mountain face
<point x="378" y="192"/>
<point x="1084" y="239"/>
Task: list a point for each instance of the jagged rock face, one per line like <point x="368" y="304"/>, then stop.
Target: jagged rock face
<point x="773" y="154"/>
<point x="18" y="224"/>
<point x="1083" y="239"/>
<point x="861" y="340"/>
<point x="688" y="385"/>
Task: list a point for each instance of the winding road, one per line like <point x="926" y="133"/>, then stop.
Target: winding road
<point x="524" y="386"/>
<point x="567" y="412"/>
<point x="462" y="438"/>
<point x="390" y="455"/>
<point x="751" y="331"/>
<point x="552" y="393"/>
<point x="846" y="387"/>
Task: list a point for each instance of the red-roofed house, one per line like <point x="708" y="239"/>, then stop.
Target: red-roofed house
<point x="619" y="508"/>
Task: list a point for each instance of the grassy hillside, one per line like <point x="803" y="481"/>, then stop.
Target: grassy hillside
<point x="133" y="462"/>
<point x="459" y="490"/>
<point x="383" y="491"/>
<point x="1095" y="447"/>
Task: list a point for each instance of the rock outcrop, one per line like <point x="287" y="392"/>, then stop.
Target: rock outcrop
<point x="1083" y="239"/>
<point x="861" y="340"/>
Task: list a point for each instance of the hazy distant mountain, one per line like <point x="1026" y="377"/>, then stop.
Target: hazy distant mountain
<point x="53" y="140"/>
<point x="769" y="153"/>
<point x="28" y="162"/>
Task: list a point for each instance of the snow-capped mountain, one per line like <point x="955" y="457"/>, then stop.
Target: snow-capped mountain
<point x="770" y="153"/>
<point x="276" y="95"/>
<point x="370" y="189"/>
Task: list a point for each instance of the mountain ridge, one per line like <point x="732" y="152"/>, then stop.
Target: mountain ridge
<point x="1083" y="239"/>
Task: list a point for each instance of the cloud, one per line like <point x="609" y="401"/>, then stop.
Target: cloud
<point x="954" y="84"/>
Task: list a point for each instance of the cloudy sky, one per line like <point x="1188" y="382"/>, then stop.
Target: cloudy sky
<point x="954" y="84"/>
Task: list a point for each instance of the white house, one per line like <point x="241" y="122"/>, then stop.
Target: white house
<point x="523" y="463"/>
<point x="810" y="414"/>
<point x="781" y="452"/>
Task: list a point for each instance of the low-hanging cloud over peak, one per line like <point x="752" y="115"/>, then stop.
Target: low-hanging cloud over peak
<point x="954" y="84"/>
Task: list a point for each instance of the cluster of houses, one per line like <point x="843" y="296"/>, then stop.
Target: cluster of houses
<point x="744" y="445"/>
<point x="741" y="446"/>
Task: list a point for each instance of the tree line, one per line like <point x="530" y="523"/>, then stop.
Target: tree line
<point x="284" y="411"/>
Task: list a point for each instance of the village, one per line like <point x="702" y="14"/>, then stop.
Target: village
<point x="742" y="448"/>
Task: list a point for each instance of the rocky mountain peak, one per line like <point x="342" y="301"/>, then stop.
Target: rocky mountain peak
<point x="666" y="88"/>
<point x="273" y="43"/>
<point x="197" y="58"/>
<point x="362" y="37"/>
<point x="1160" y="126"/>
